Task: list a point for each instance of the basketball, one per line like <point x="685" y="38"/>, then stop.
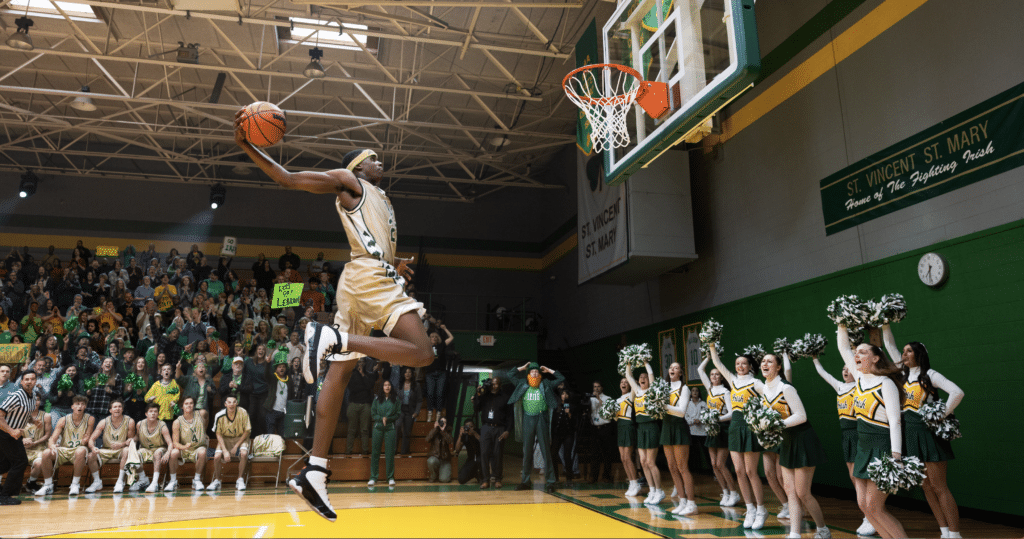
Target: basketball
<point x="263" y="124"/>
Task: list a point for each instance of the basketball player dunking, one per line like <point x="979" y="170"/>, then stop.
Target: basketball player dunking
<point x="371" y="295"/>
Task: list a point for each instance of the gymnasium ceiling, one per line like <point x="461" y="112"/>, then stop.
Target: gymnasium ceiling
<point x="463" y="97"/>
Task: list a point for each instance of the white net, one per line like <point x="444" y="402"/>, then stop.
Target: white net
<point x="605" y="94"/>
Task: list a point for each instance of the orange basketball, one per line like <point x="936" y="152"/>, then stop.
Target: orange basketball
<point x="263" y="124"/>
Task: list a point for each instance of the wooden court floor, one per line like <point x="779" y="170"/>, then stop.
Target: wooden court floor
<point x="422" y="509"/>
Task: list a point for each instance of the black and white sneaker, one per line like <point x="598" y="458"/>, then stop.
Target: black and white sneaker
<point x="313" y="490"/>
<point x="321" y="341"/>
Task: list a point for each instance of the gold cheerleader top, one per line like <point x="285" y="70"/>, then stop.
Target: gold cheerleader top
<point x="741" y="394"/>
<point x="717" y="401"/>
<point x="844" y="404"/>
<point x="869" y="406"/>
<point x="625" y="411"/>
<point x="778" y="404"/>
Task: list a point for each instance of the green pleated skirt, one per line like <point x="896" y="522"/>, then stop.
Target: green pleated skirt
<point x="741" y="438"/>
<point x="801" y="448"/>
<point x="719" y="440"/>
<point x="872" y="442"/>
<point x="626" y="430"/>
<point x="849" y="439"/>
<point x="919" y="441"/>
<point x="648" y="435"/>
<point x="674" y="431"/>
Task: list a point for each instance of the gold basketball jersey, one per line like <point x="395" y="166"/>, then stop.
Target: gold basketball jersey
<point x="151" y="439"/>
<point x="371" y="226"/>
<point x="112" y="434"/>
<point x="191" y="432"/>
<point x="73" y="434"/>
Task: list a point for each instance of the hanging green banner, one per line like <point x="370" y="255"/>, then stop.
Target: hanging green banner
<point x="586" y="54"/>
<point x="976" y="144"/>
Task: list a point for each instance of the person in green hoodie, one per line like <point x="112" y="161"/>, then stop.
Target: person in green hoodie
<point x="384" y="411"/>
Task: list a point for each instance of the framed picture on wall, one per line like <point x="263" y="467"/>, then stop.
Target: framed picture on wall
<point x="667" y="348"/>
<point x="691" y="352"/>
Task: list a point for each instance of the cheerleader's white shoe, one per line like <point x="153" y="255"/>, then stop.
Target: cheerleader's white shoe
<point x="689" y="508"/>
<point x="866" y="529"/>
<point x="759" y="517"/>
<point x="726" y="496"/>
<point x="673" y="493"/>
<point x="634" y="489"/>
<point x="748" y="519"/>
<point x="734" y="499"/>
<point x="659" y="495"/>
<point x="784" y="513"/>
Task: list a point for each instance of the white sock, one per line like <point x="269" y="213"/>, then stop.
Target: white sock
<point x="750" y="508"/>
<point x="33" y="477"/>
<point x="761" y="509"/>
<point x="198" y="478"/>
<point x="943" y="531"/>
<point x="75" y="480"/>
<point x="120" y="476"/>
<point x="47" y="481"/>
<point x="96" y="476"/>
<point x="344" y="341"/>
<point x="174" y="477"/>
<point x="156" y="477"/>
<point x="318" y="461"/>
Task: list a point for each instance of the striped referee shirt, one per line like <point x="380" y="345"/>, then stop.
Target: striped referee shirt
<point x="18" y="407"/>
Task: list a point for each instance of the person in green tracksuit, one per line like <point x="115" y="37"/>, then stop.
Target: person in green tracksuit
<point x="538" y="397"/>
<point x="384" y="411"/>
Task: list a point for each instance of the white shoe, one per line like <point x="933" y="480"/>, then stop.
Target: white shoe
<point x="866" y="528"/>
<point x="142" y="483"/>
<point x="734" y="499"/>
<point x="674" y="495"/>
<point x="46" y="490"/>
<point x="634" y="489"/>
<point x="748" y="519"/>
<point x="784" y="513"/>
<point x="198" y="485"/>
<point x="153" y="487"/>
<point x="214" y="485"/>
<point x="240" y="484"/>
<point x="171" y="486"/>
<point x="659" y="495"/>
<point x="689" y="508"/>
<point x="726" y="496"/>
<point x="95" y="486"/>
<point x="759" y="517"/>
<point x="391" y="482"/>
<point x="823" y="533"/>
<point x="371" y="483"/>
<point x="650" y="496"/>
<point x="321" y="341"/>
<point x="119" y="487"/>
<point x="74" y="489"/>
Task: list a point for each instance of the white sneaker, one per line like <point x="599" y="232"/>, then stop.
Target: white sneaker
<point x="674" y="495"/>
<point x="866" y="528"/>
<point x="198" y="485"/>
<point x="214" y="485"/>
<point x="321" y="341"/>
<point x="391" y="482"/>
<point x="119" y="487"/>
<point x="171" y="486"/>
<point x="689" y="508"/>
<point x="142" y="483"/>
<point x="634" y="489"/>
<point x="759" y="517"/>
<point x="734" y="499"/>
<point x="726" y="496"/>
<point x="95" y="486"/>
<point x="748" y="519"/>
<point x="659" y="495"/>
<point x="46" y="490"/>
<point x="823" y="533"/>
<point x="74" y="489"/>
<point x="784" y="513"/>
<point x="240" y="484"/>
<point x="153" y="487"/>
<point x="650" y="496"/>
<point x="371" y="483"/>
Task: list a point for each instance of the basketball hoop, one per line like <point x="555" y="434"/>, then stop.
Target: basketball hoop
<point x="606" y="113"/>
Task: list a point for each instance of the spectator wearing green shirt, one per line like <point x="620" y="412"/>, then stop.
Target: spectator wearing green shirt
<point x="214" y="285"/>
<point x="385" y="411"/>
<point x="538" y="399"/>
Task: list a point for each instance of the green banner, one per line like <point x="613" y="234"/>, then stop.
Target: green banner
<point x="586" y="54"/>
<point x="976" y="144"/>
<point x="286" y="295"/>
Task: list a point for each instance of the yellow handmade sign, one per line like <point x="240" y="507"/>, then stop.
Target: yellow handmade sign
<point x="106" y="250"/>
<point x="14" y="354"/>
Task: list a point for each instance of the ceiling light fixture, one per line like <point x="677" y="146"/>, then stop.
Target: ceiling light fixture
<point x="315" y="70"/>
<point x="217" y="194"/>
<point x="83" y="103"/>
<point x="29" y="181"/>
<point x="20" y="39"/>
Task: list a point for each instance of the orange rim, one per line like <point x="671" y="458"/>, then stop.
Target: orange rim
<point x="610" y="100"/>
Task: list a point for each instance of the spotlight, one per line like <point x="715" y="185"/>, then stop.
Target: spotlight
<point x="217" y="193"/>
<point x="20" y="39"/>
<point x="83" y="103"/>
<point x="28" y="184"/>
<point x="315" y="70"/>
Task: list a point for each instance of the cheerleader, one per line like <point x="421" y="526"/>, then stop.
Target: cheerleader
<point x="877" y="400"/>
<point x="626" y="430"/>
<point x="800" y="451"/>
<point x="648" y="434"/>
<point x="743" y="446"/>
<point x="675" y="438"/>
<point x="718" y="446"/>
<point x="847" y="424"/>
<point x="770" y="458"/>
<point x="921" y="386"/>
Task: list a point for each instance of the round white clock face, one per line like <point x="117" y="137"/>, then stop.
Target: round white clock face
<point x="932" y="269"/>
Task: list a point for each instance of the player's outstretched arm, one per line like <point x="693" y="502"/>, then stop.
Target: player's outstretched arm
<point x="330" y="182"/>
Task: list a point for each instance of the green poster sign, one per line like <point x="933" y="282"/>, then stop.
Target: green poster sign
<point x="586" y="54"/>
<point x="976" y="144"/>
<point x="286" y="295"/>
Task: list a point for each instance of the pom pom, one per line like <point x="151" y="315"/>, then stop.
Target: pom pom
<point x="705" y="350"/>
<point x="133" y="380"/>
<point x="65" y="383"/>
<point x="172" y="391"/>
<point x="857" y="336"/>
<point x="764" y="422"/>
<point x="657" y="397"/>
<point x="102" y="379"/>
<point x="89" y="383"/>
<point x="783" y="346"/>
<point x="71" y="323"/>
<point x="755" y="352"/>
<point x="711" y="331"/>
<point x="892" y="308"/>
<point x="890" y="476"/>
<point x="176" y="409"/>
<point x="849" y="311"/>
<point x="943" y="426"/>
<point x="709" y="417"/>
<point x="608" y="410"/>
<point x="811" y="345"/>
<point x="633" y="357"/>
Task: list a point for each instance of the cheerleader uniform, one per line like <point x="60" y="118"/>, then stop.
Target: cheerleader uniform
<point x="674" y="428"/>
<point x="847" y="420"/>
<point x="920" y="441"/>
<point x="717" y="397"/>
<point x="800" y="447"/>
<point x="879" y="428"/>
<point x="624" y="424"/>
<point x="648" y="433"/>
<point x="741" y="438"/>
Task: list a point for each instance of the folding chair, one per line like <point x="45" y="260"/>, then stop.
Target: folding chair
<point x="266" y="448"/>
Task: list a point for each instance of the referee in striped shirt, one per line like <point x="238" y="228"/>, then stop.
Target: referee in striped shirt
<point x="14" y="412"/>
